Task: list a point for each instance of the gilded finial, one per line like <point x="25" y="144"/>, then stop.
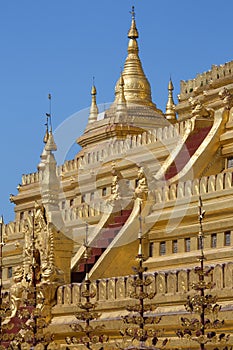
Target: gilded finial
<point x="132" y="12"/>
<point x="133" y="32"/>
<point x="93" y="109"/>
<point x="93" y="89"/>
<point x="170" y="113"/>
<point x="49" y="139"/>
<point x="48" y="123"/>
<point x="50" y="110"/>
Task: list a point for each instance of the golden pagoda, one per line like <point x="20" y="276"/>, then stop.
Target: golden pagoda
<point x="134" y="160"/>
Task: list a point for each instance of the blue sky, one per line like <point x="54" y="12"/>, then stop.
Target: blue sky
<point x="57" y="46"/>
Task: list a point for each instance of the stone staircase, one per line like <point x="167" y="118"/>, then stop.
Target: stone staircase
<point x="101" y="242"/>
<point x="189" y="148"/>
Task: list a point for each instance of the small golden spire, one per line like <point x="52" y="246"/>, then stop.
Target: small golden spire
<point x="121" y="97"/>
<point x="136" y="86"/>
<point x="170" y="113"/>
<point x="93" y="109"/>
<point x="121" y="108"/>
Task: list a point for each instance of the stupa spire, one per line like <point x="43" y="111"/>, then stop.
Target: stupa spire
<point x="93" y="109"/>
<point x="49" y="183"/>
<point x="50" y="145"/>
<point x="136" y="86"/>
<point x="170" y="113"/>
<point x="121" y="110"/>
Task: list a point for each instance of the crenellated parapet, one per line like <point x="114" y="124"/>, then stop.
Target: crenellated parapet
<point x="69" y="165"/>
<point x="31" y="178"/>
<point x="28" y="179"/>
<point x="13" y="228"/>
<point x="217" y="76"/>
<point x="169" y="289"/>
<point x="186" y="189"/>
<point x="83" y="211"/>
<point x="162" y="194"/>
<point x="172" y="283"/>
<point x="115" y="147"/>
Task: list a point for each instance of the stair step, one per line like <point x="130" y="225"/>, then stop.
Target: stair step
<point x="120" y="219"/>
<point x="115" y="225"/>
<point x="100" y="243"/>
<point x="103" y="242"/>
<point x="126" y="212"/>
<point x="191" y="145"/>
<point x="95" y="250"/>
<point x="109" y="234"/>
